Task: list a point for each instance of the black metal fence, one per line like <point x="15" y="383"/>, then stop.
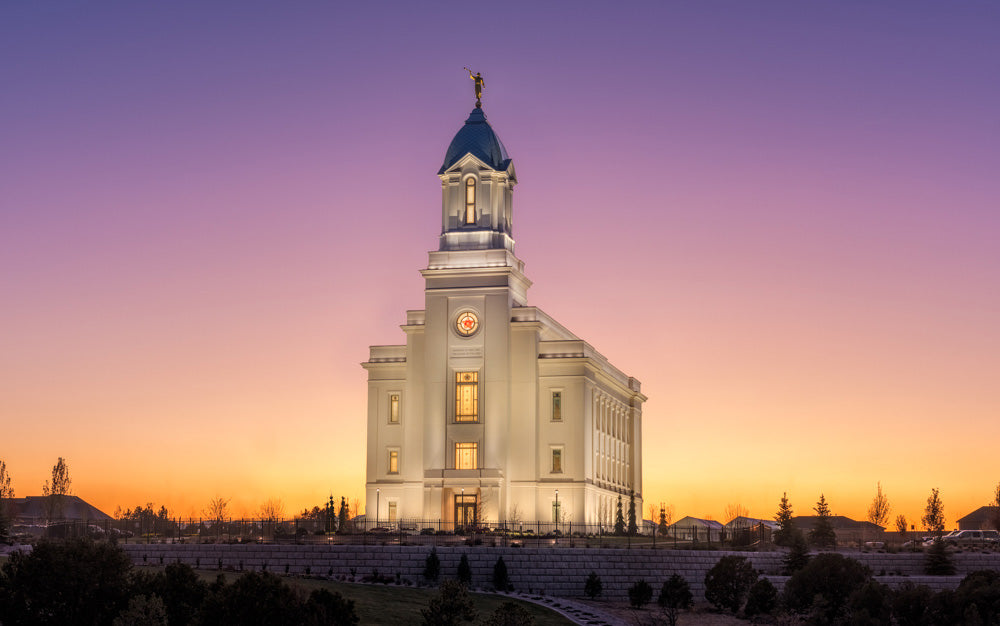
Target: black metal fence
<point x="363" y="531"/>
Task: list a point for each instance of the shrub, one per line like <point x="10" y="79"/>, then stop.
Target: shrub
<point x="728" y="582"/>
<point x="824" y="585"/>
<point x="509" y="614"/>
<point x="464" y="571"/>
<point x="69" y="582"/>
<point x="937" y="561"/>
<point x="761" y="599"/>
<point x="980" y="590"/>
<point x="450" y="606"/>
<point x="870" y="604"/>
<point x="330" y="608"/>
<point x="432" y="566"/>
<point x="639" y="594"/>
<point x="911" y="604"/>
<point x="142" y="611"/>
<point x="501" y="581"/>
<point x="254" y="598"/>
<point x="674" y="596"/>
<point x="593" y="587"/>
<point x="180" y="588"/>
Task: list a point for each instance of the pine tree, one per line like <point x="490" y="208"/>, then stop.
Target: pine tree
<point x="619" y="518"/>
<point x="663" y="521"/>
<point x="633" y="528"/>
<point x="822" y="534"/>
<point x="464" y="570"/>
<point x="786" y="531"/>
<point x="331" y="515"/>
<point x="938" y="562"/>
<point x="593" y="587"/>
<point x="501" y="580"/>
<point x="797" y="557"/>
<point x="432" y="566"/>
<point x="342" y="516"/>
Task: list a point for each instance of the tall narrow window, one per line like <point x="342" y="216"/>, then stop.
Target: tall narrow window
<point x="470" y="200"/>
<point x="556" y="406"/>
<point x="392" y="512"/>
<point x="467" y="455"/>
<point x="467" y="396"/>
<point x="393" y="461"/>
<point x="557" y="460"/>
<point x="393" y="408"/>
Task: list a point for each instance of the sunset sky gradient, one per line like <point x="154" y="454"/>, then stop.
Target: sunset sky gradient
<point x="782" y="217"/>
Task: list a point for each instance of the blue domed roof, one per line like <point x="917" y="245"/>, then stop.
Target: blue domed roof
<point x="477" y="137"/>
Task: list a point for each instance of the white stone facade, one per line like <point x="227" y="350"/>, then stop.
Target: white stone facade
<point x="493" y="411"/>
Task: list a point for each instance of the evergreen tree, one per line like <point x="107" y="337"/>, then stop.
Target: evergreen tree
<point x="432" y="566"/>
<point x="331" y="515"/>
<point x="633" y="528"/>
<point x="675" y="595"/>
<point x="797" y="557"/>
<point x="6" y="494"/>
<point x="619" y="518"/>
<point x="593" y="587"/>
<point x="464" y="570"/>
<point x="938" y="562"/>
<point x="822" y="535"/>
<point x="450" y="606"/>
<point x="663" y="521"/>
<point x="501" y="581"/>
<point x="639" y="594"/>
<point x="786" y="531"/>
<point x="342" y="516"/>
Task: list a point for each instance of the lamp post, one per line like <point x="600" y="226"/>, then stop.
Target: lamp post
<point x="378" y="497"/>
<point x="558" y="512"/>
<point x="463" y="508"/>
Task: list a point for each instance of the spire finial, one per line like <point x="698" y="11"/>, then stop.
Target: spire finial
<point x="480" y="83"/>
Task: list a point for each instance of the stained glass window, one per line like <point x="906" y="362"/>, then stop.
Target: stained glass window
<point x="393" y="461"/>
<point x="467" y="396"/>
<point x="556" y="406"/>
<point x="556" y="460"/>
<point x="467" y="455"/>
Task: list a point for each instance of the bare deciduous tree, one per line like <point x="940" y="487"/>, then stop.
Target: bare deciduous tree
<point x="217" y="509"/>
<point x="6" y="494"/>
<point x="514" y="515"/>
<point x="996" y="507"/>
<point x="933" y="519"/>
<point x="272" y="510"/>
<point x="878" y="512"/>
<point x="901" y="525"/>
<point x="735" y="510"/>
<point x="55" y="491"/>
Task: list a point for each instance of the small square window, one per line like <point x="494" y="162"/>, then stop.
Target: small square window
<point x="556" y="406"/>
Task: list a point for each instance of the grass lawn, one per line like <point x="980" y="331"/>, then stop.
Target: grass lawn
<point x="391" y="604"/>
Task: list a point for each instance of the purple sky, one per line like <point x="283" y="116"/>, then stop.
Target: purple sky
<point x="782" y="217"/>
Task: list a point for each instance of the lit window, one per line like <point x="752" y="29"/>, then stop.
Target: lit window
<point x="393" y="461"/>
<point x="394" y="408"/>
<point x="556" y="406"/>
<point x="470" y="200"/>
<point x="466" y="456"/>
<point x="392" y="512"/>
<point x="556" y="460"/>
<point x="467" y="396"/>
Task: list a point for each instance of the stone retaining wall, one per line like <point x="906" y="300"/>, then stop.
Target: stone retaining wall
<point x="551" y="571"/>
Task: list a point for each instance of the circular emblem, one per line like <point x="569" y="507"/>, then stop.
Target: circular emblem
<point x="467" y="323"/>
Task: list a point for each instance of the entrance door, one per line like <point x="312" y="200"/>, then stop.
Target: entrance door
<point x="465" y="510"/>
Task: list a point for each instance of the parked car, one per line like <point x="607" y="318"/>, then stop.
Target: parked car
<point x="971" y="537"/>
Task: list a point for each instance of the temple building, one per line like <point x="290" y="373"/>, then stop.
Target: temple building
<point x="492" y="411"/>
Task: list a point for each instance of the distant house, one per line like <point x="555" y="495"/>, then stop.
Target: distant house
<point x="33" y="510"/>
<point x="695" y="529"/>
<point x="848" y="531"/>
<point x="983" y="518"/>
<point x="747" y="530"/>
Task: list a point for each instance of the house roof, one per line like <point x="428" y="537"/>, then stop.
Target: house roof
<point x="838" y="522"/>
<point x="979" y="516"/>
<point x="689" y="521"/>
<point x="742" y="522"/>
<point x="73" y="508"/>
